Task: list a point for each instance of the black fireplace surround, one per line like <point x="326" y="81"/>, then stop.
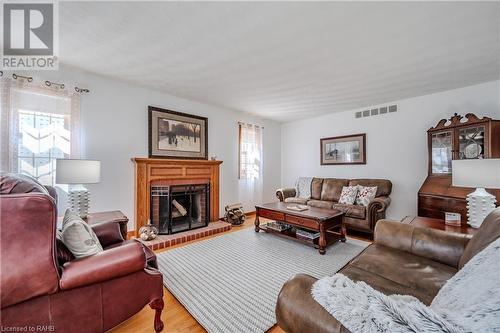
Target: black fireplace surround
<point x="176" y="208"/>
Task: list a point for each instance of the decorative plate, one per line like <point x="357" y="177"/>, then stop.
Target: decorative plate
<point x="473" y="150"/>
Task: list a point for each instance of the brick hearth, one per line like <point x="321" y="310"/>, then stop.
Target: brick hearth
<point x="163" y="241"/>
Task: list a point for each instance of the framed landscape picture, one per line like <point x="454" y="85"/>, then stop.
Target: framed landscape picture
<point x="348" y="149"/>
<point x="177" y="135"/>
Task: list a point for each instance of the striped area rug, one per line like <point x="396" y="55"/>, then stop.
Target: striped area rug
<point x="230" y="283"/>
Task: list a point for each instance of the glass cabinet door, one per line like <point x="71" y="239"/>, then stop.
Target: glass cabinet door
<point x="441" y="150"/>
<point x="471" y="142"/>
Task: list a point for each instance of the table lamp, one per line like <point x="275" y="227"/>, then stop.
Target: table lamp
<point x="481" y="174"/>
<point x="76" y="173"/>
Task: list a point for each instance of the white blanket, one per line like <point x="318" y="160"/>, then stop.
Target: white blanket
<point x="468" y="302"/>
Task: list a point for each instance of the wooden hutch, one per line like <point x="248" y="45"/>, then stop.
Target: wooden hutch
<point x="457" y="138"/>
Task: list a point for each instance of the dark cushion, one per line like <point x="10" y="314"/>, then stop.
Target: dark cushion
<point x="320" y="204"/>
<point x="384" y="186"/>
<point x="332" y="188"/>
<point x="355" y="211"/>
<point x="316" y="185"/>
<point x="63" y="254"/>
<point x="487" y="233"/>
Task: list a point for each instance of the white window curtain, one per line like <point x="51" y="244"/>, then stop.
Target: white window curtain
<point x="250" y="165"/>
<point x="39" y="124"/>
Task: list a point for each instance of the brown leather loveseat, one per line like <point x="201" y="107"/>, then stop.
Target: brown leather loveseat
<point x="43" y="288"/>
<point x="325" y="193"/>
<point x="403" y="259"/>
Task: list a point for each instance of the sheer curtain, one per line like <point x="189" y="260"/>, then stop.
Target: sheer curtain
<point x="250" y="165"/>
<point x="39" y="124"/>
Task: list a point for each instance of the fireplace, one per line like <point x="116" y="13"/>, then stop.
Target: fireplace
<point x="176" y="208"/>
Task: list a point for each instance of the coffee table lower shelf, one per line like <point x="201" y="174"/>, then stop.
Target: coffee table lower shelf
<point x="331" y="236"/>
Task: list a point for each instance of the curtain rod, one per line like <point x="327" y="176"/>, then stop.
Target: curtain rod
<point x="47" y="83"/>
<point x="242" y="123"/>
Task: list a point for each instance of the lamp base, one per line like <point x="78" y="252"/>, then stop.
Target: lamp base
<point x="479" y="204"/>
<point x="78" y="200"/>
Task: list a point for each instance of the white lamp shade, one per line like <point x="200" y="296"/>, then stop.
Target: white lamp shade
<point x="69" y="171"/>
<point x="476" y="173"/>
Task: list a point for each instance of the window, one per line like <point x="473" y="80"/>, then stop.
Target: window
<point x="250" y="151"/>
<point x="42" y="126"/>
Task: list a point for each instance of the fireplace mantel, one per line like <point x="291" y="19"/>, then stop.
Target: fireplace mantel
<point x="172" y="171"/>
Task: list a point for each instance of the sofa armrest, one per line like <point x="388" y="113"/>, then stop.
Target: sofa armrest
<point x="379" y="204"/>
<point x="438" y="245"/>
<point x="297" y="311"/>
<point x="109" y="233"/>
<point x="109" y="264"/>
<point x="376" y="210"/>
<point x="283" y="193"/>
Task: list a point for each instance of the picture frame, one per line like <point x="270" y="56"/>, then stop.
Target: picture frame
<point x="177" y="135"/>
<point x="343" y="150"/>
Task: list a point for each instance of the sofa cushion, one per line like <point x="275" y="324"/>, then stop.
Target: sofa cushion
<point x="332" y="188"/>
<point x="384" y="186"/>
<point x="365" y="195"/>
<point x="355" y="211"/>
<point x="301" y="201"/>
<point x="320" y="204"/>
<point x="486" y="234"/>
<point x="316" y="185"/>
<point x="393" y="271"/>
<point x="348" y="195"/>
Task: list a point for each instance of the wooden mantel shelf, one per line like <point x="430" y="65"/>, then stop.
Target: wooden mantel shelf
<point x="173" y="172"/>
<point x="173" y="161"/>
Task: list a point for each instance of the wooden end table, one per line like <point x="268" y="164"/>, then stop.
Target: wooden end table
<point x="428" y="222"/>
<point x="319" y="220"/>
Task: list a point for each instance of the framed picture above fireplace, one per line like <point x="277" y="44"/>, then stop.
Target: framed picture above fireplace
<point x="174" y="134"/>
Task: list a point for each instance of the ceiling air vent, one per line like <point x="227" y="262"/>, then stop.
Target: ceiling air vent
<point x="376" y="111"/>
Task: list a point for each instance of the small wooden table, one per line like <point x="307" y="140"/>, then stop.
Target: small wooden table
<point x="428" y="222"/>
<point x="314" y="219"/>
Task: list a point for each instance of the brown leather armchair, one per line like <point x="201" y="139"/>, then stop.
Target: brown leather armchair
<point x="43" y="287"/>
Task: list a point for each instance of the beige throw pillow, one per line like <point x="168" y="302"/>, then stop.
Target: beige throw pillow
<point x="79" y="237"/>
<point x="348" y="195"/>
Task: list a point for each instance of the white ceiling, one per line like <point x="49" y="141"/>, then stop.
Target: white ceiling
<point x="286" y="60"/>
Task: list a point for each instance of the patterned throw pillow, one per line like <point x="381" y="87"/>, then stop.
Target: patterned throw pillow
<point x="79" y="237"/>
<point x="366" y="194"/>
<point x="303" y="187"/>
<point x="348" y="195"/>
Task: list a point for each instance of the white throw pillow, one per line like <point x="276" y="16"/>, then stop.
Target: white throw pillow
<point x="366" y="194"/>
<point x="348" y="195"/>
<point x="303" y="187"/>
<point x="79" y="237"/>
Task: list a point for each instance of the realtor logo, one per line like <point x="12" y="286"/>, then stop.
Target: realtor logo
<point x="29" y="36"/>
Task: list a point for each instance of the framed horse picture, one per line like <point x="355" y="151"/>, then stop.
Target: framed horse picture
<point x="174" y="134"/>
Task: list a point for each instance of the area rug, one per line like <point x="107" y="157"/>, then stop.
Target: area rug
<point x="230" y="283"/>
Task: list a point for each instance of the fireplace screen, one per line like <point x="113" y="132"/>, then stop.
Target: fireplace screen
<point x="176" y="208"/>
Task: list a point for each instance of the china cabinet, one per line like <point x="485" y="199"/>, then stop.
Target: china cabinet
<point x="467" y="137"/>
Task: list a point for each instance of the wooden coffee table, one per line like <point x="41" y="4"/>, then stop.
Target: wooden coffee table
<point x="319" y="220"/>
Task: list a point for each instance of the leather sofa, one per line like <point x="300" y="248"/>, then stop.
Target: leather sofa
<point x="43" y="287"/>
<point x="325" y="193"/>
<point x="403" y="259"/>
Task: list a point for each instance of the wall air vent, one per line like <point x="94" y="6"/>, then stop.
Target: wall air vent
<point x="376" y="111"/>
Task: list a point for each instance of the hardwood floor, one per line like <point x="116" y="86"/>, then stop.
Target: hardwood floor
<point x="175" y="317"/>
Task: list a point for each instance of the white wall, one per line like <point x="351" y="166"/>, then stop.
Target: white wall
<point x="396" y="142"/>
<point x="114" y="122"/>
